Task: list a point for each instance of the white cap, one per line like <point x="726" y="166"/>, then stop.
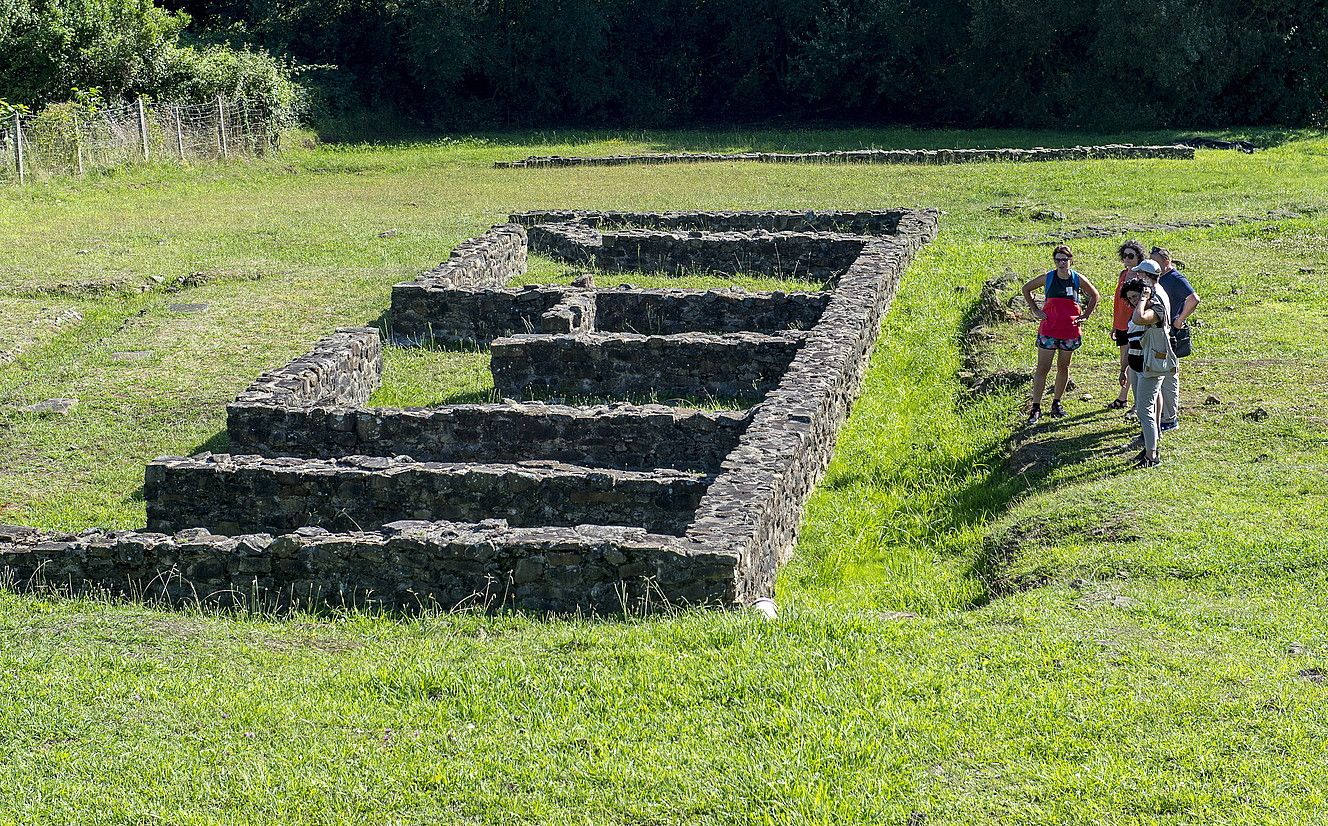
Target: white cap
<point x="1148" y="267"/>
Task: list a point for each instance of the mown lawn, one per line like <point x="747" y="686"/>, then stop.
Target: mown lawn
<point x="981" y="623"/>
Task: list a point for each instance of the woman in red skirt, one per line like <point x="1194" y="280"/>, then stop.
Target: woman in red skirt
<point x="1068" y="300"/>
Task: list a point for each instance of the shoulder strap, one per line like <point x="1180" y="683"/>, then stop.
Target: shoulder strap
<point x="1046" y="288"/>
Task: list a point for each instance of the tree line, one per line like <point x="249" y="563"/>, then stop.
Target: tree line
<point x="484" y="63"/>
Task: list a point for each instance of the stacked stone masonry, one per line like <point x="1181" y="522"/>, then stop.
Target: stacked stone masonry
<point x="872" y="156"/>
<point x="323" y="501"/>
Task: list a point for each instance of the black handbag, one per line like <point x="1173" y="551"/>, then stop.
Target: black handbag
<point x="1180" y="341"/>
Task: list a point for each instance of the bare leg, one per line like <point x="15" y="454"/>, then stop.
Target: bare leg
<point x="1062" y="371"/>
<point x="1040" y="374"/>
<point x="1129" y="380"/>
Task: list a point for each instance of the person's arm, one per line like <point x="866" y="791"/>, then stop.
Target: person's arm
<point x="1191" y="301"/>
<point x="1094" y="297"/>
<point x="1040" y="281"/>
<point x="1143" y="311"/>
<point x="1124" y="365"/>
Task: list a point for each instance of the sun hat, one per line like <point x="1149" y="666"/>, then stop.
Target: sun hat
<point x="1148" y="267"/>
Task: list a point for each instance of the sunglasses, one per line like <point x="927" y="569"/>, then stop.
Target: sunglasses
<point x="1060" y="259"/>
<point x="1128" y="256"/>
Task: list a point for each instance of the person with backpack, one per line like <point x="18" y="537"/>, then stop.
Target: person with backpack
<point x="1068" y="300"/>
<point x="1152" y="359"/>
<point x="1181" y="301"/>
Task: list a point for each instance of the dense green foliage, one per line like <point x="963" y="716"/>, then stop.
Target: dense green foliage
<point x="648" y="62"/>
<point x="125" y="49"/>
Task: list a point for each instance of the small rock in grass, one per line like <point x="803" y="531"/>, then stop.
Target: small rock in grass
<point x="1211" y="401"/>
<point x="960" y="288"/>
<point x="1295" y="649"/>
<point x="1258" y="414"/>
<point x="52" y="407"/>
<point x="1314" y="675"/>
<point x="388" y="233"/>
<point x="895" y="616"/>
<point x="1087" y="397"/>
<point x="187" y="308"/>
<point x="585" y="279"/>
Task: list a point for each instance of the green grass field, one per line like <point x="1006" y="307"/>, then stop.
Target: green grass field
<point x="981" y="623"/>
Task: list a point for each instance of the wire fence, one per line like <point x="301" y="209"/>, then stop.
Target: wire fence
<point x="67" y="140"/>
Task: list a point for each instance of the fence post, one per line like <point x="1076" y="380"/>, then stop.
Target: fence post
<point x="221" y="127"/>
<point x="18" y="149"/>
<point x="179" y="132"/>
<point x="143" y="128"/>
<point x="78" y="143"/>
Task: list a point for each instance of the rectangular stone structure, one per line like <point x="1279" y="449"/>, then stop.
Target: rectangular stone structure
<point x="424" y="313"/>
<point x="250" y="494"/>
<point x="626" y="365"/>
<point x="782" y="255"/>
<point x="628" y="437"/>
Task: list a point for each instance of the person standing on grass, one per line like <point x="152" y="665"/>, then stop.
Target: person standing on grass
<point x="1131" y="255"/>
<point x="1068" y="300"/>
<point x="1150" y="357"/>
<point x="1182" y="301"/>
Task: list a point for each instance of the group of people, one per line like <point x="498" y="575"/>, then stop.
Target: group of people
<point x="1151" y="306"/>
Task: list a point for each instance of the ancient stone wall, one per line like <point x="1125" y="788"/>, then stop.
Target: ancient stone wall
<point x="872" y="156"/>
<point x="342" y="369"/>
<point x="627" y="365"/>
<point x="572" y="530"/>
<point x="250" y="494"/>
<point x="566" y="226"/>
<point x="664" y="312"/>
<point x="623" y="436"/>
<point x="425" y="313"/>
<point x="407" y="566"/>
<point x="489" y="260"/>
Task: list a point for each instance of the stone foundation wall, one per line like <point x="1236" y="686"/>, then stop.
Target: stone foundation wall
<point x="665" y="312"/>
<point x="756" y="503"/>
<point x="783" y="255"/>
<point x="565" y="226"/>
<point x="489" y="260"/>
<point x="250" y="494"/>
<point x="626" y="365"/>
<point x="343" y="369"/>
<point x="424" y="313"/>
<point x="628" y="437"/>
<point x="408" y="566"/>
<point x="878" y="156"/>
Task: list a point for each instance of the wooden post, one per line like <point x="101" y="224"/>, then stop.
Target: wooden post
<point x="18" y="149"/>
<point x="78" y="144"/>
<point x="179" y="132"/>
<point x="221" y="127"/>
<point x="143" y="128"/>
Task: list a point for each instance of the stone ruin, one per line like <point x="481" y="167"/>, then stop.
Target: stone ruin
<point x="533" y="502"/>
<point x="930" y="157"/>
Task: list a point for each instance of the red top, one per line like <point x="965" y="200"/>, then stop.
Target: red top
<point x="1061" y="306"/>
<point x="1121" y="311"/>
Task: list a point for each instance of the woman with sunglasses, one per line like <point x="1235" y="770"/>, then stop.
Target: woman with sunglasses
<point x="1068" y="301"/>
<point x="1131" y="254"/>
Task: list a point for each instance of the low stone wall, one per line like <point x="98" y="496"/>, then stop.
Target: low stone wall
<point x="489" y="260"/>
<point x="407" y="566"/>
<point x="579" y="226"/>
<point x="425" y="313"/>
<point x="251" y="494"/>
<point x="664" y="312"/>
<point x="342" y="369"/>
<point x="755" y="505"/>
<point x="782" y="255"/>
<point x="628" y="437"/>
<point x="877" y="156"/>
<point x="626" y="365"/>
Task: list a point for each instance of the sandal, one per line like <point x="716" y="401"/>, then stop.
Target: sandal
<point x="1118" y="404"/>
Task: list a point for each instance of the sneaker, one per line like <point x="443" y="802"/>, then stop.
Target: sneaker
<point x="1057" y="410"/>
<point x="1035" y="414"/>
<point x="1167" y="427"/>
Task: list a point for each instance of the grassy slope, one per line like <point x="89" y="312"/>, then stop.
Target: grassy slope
<point x="1155" y="664"/>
